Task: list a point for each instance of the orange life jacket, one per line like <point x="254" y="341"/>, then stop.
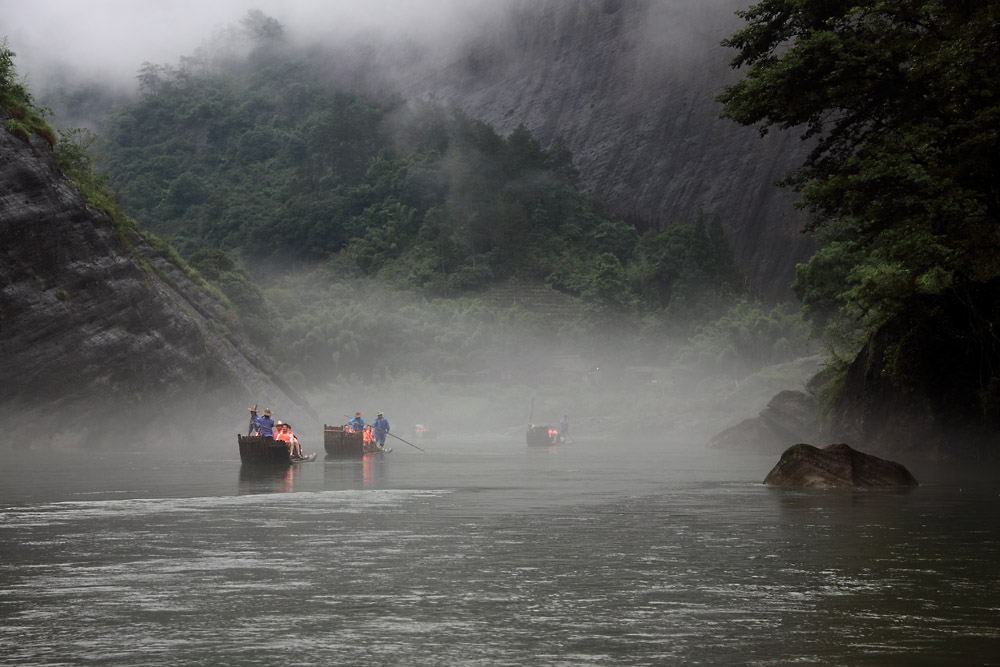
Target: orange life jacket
<point x="283" y="435"/>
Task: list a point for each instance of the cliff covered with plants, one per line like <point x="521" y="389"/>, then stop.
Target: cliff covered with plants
<point x="902" y="100"/>
<point x="104" y="342"/>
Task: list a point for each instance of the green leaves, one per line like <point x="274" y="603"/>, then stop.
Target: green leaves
<point x="902" y="98"/>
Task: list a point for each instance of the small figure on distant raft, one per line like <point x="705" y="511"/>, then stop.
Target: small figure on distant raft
<point x="563" y="429"/>
<point x="357" y="423"/>
<point x="381" y="427"/>
<point x="265" y="425"/>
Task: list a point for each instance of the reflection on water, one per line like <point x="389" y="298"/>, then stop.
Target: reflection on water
<point x="267" y="478"/>
<point x="368" y="471"/>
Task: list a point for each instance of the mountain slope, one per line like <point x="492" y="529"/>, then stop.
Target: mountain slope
<point x="630" y="87"/>
<point x="101" y="348"/>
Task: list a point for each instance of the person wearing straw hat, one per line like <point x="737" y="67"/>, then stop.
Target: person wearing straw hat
<point x="265" y="425"/>
<point x="381" y="427"/>
<point x="253" y="420"/>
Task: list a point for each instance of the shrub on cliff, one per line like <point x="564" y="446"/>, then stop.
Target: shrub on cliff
<point x="25" y="119"/>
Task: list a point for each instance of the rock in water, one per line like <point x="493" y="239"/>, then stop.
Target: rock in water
<point x="835" y="466"/>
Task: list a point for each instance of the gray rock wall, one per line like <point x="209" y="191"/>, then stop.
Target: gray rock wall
<point x="630" y="87"/>
<point x="99" y="350"/>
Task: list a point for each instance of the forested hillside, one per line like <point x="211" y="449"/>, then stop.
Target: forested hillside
<point x="275" y="183"/>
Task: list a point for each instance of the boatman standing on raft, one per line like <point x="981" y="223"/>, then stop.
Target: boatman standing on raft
<point x="265" y="425"/>
<point x="381" y="426"/>
<point x="253" y="421"/>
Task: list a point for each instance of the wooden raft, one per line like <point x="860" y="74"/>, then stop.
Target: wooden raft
<point x="339" y="442"/>
<point x="539" y="436"/>
<point x="263" y="449"/>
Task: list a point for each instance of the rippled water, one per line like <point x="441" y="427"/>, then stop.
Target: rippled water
<point x="488" y="553"/>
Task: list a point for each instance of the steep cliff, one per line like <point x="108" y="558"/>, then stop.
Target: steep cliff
<point x="103" y="345"/>
<point x="927" y="384"/>
<point x="630" y="87"/>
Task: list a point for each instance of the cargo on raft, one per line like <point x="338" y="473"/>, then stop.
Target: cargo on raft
<point x="342" y="441"/>
<point x="265" y="449"/>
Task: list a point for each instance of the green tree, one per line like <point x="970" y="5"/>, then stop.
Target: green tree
<point x="902" y="101"/>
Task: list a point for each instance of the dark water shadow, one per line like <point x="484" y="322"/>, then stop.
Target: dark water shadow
<point x="267" y="478"/>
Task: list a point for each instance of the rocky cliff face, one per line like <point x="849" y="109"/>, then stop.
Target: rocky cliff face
<point x="630" y="87"/>
<point x="100" y="348"/>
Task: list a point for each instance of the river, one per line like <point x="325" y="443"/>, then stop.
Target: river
<point x="488" y="553"/>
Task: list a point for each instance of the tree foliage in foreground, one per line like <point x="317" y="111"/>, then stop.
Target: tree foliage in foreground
<point x="902" y="100"/>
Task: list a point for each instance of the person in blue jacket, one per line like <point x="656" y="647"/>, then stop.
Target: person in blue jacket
<point x="357" y="423"/>
<point x="381" y="426"/>
<point x="254" y="418"/>
<point x="265" y="425"/>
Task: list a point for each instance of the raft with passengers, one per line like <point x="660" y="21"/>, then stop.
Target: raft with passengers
<point x="355" y="438"/>
<point x="268" y="441"/>
<point x="544" y="435"/>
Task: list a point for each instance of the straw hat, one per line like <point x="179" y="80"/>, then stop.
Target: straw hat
<point x="267" y="412"/>
<point x="253" y="409"/>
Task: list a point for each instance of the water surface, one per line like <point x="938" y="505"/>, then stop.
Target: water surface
<point x="487" y="553"/>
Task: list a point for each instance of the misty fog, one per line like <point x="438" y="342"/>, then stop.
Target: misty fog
<point x="626" y="378"/>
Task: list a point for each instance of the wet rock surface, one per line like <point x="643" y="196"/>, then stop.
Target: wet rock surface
<point x="835" y="466"/>
<point x="790" y="417"/>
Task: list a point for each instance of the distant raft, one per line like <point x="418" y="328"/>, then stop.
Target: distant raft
<point x="257" y="449"/>
<point x="541" y="436"/>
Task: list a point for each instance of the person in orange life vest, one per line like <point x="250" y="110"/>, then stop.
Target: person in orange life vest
<point x="296" y="447"/>
<point x="265" y="425"/>
<point x="369" y="438"/>
<point x="281" y="434"/>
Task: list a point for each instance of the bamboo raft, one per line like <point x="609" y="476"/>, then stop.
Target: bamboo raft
<point x="539" y="436"/>
<point x="263" y="449"/>
<point x="340" y="442"/>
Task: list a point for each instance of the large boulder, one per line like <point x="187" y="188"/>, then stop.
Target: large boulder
<point x="834" y="466"/>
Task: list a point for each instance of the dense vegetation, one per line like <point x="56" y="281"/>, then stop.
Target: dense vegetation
<point x="297" y="199"/>
<point x="284" y="169"/>
<point x="361" y="239"/>
<point x="902" y="101"/>
<point x="25" y="118"/>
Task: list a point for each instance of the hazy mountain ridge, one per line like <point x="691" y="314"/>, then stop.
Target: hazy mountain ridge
<point x="630" y="87"/>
